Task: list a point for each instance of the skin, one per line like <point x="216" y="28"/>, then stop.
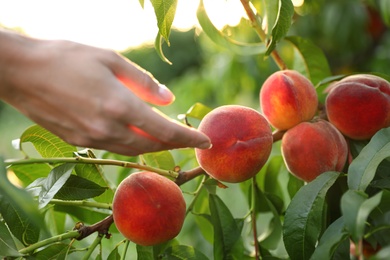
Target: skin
<point x="311" y="148"/>
<point x="359" y="105"/>
<point x="242" y="142"/>
<point x="148" y="209"/>
<point x="89" y="97"/>
<point x="288" y="98"/>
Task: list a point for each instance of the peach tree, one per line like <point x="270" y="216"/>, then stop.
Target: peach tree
<point x="318" y="192"/>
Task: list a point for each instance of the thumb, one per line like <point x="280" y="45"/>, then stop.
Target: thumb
<point x="143" y="84"/>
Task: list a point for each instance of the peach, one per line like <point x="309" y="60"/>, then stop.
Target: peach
<point x="311" y="148"/>
<point x="288" y="98"/>
<point x="359" y="105"/>
<point x="148" y="208"/>
<point x="241" y="141"/>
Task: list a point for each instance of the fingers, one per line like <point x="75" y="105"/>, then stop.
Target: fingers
<point x="141" y="82"/>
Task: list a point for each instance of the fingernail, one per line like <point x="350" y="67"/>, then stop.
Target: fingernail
<point x="165" y="93"/>
<point x="205" y="145"/>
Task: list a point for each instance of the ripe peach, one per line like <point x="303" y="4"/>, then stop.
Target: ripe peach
<point x="359" y="105"/>
<point x="288" y="98"/>
<point x="311" y="148"/>
<point x="148" y="208"/>
<point x="241" y="141"/>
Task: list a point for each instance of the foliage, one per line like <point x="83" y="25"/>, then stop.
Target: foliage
<point x="62" y="207"/>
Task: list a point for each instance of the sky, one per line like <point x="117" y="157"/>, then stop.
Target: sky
<point x="114" y="24"/>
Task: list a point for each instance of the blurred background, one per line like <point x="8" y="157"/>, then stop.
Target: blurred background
<point x="351" y="33"/>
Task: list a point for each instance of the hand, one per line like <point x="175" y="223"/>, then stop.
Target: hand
<point x="89" y="97"/>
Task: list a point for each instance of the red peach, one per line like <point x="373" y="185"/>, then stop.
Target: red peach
<point x="359" y="105"/>
<point x="241" y="143"/>
<point x="311" y="148"/>
<point x="148" y="208"/>
<point x="288" y="98"/>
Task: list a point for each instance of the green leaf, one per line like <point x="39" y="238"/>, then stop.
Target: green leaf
<point x="197" y="111"/>
<point x="356" y="206"/>
<point x="56" y="251"/>
<point x="94" y="173"/>
<point x="163" y="160"/>
<point x="333" y="236"/>
<point x="304" y="216"/>
<point x="27" y="173"/>
<point x="158" y="46"/>
<point x="279" y="14"/>
<point x="165" y="11"/>
<point x="83" y="214"/>
<point x="114" y="255"/>
<point x="363" y="168"/>
<point x="226" y="230"/>
<point x="383" y="254"/>
<point x="19" y="210"/>
<point x="7" y="244"/>
<point x="142" y="3"/>
<point x="182" y="252"/>
<point x="46" y="143"/>
<point x="223" y="40"/>
<point x="145" y="252"/>
<point x="53" y="183"/>
<point x="310" y="60"/>
<point x="77" y="188"/>
<point x="384" y="7"/>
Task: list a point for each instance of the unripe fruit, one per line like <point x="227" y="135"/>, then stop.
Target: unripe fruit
<point x="359" y="105"/>
<point x="148" y="209"/>
<point x="241" y="141"/>
<point x="288" y="98"/>
<point x="312" y="148"/>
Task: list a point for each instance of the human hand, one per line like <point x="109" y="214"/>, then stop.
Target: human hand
<point x="89" y="97"/>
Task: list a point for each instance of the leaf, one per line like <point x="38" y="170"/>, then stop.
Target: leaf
<point x="226" y="230"/>
<point x="54" y="251"/>
<point x="27" y="173"/>
<point x="384" y="7"/>
<point x="142" y="3"/>
<point x="145" y="252"/>
<point x="182" y="252"/>
<point x="83" y="214"/>
<point x="163" y="160"/>
<point x="363" y="168"/>
<point x="302" y="225"/>
<point x="53" y="183"/>
<point x="283" y="12"/>
<point x="114" y="255"/>
<point x="19" y="210"/>
<point x="7" y="244"/>
<point x="383" y="254"/>
<point x="197" y="111"/>
<point x="165" y="13"/>
<point x="77" y="188"/>
<point x="333" y="236"/>
<point x="223" y="40"/>
<point x="46" y="143"/>
<point x="355" y="207"/>
<point x="314" y="63"/>
<point x="158" y="46"/>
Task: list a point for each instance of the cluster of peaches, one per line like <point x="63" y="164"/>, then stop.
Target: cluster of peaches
<point x="149" y="209"/>
<point x="356" y="107"/>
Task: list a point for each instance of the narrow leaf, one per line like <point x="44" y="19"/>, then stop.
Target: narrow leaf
<point x="77" y="188"/>
<point x="356" y="207"/>
<point x="182" y="252"/>
<point x="7" y="244"/>
<point x="384" y="7"/>
<point x="114" y="255"/>
<point x="226" y="230"/>
<point x="83" y="214"/>
<point x="46" y="143"/>
<point x="283" y="12"/>
<point x="363" y="168"/>
<point x="158" y="46"/>
<point x="223" y="40"/>
<point x="302" y="224"/>
<point x="333" y="236"/>
<point x="54" y="251"/>
<point x="198" y="111"/>
<point x="165" y="11"/>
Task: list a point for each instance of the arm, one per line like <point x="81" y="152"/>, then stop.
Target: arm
<point x="89" y="97"/>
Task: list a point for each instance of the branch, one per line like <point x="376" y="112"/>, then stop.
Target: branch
<point x="183" y="177"/>
<point x="277" y="135"/>
<point x="256" y="24"/>
<point x="84" y="160"/>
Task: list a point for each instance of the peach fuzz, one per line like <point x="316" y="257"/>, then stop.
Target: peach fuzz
<point x="359" y="105"/>
<point x="288" y="98"/>
<point x="311" y="148"/>
<point x="241" y="141"/>
<point x="148" y="208"/>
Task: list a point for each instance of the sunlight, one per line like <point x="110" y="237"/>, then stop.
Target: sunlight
<point x="118" y="24"/>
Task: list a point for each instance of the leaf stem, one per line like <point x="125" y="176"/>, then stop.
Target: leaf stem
<point x="253" y="217"/>
<point x="84" y="160"/>
<point x="82" y="203"/>
<point x="61" y="237"/>
<point x="256" y="24"/>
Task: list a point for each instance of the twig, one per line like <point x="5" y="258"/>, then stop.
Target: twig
<point x="186" y="176"/>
